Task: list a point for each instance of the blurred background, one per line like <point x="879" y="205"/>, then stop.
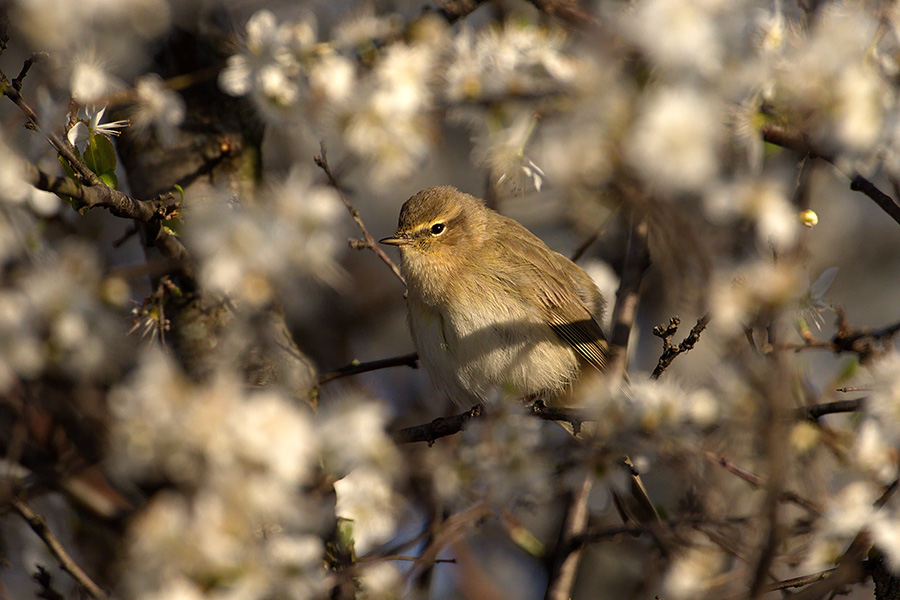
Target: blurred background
<point x="162" y="396"/>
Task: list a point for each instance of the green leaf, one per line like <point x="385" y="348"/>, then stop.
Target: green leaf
<point x="100" y="156"/>
<point x="110" y="179"/>
<point x="65" y="164"/>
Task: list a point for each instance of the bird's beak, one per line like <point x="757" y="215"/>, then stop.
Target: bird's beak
<point x="398" y="240"/>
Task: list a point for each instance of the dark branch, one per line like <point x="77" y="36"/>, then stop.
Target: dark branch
<point x="670" y="352"/>
<point x="800" y="142"/>
<point x="801" y="581"/>
<point x="454" y="10"/>
<point x="29" y="62"/>
<point x="355" y="368"/>
<point x="573" y="416"/>
<point x="440" y="427"/>
<point x="813" y="412"/>
<point x="862" y="342"/>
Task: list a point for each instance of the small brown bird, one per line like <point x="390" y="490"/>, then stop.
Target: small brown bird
<point x="490" y="305"/>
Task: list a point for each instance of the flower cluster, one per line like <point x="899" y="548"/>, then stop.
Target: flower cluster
<point x="290" y="235"/>
<point x="235" y="463"/>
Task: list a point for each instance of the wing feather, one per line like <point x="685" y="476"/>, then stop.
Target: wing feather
<point x="564" y="289"/>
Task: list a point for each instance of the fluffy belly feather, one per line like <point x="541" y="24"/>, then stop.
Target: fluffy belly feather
<point x="466" y="356"/>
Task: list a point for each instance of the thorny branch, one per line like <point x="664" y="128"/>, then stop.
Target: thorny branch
<point x="446" y="426"/>
<point x="369" y="242"/>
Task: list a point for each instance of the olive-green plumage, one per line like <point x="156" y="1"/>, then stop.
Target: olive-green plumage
<point x="490" y="304"/>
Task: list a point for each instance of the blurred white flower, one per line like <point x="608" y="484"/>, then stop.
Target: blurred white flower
<point x="157" y="109"/>
<point x="380" y="581"/>
<point x="883" y="405"/>
<point x="675" y="141"/>
<point x="607" y="281"/>
<point x="332" y="78"/>
<point x="763" y="202"/>
<point x="680" y="34"/>
<point x="364" y="27"/>
<point x="848" y="512"/>
<point x="886" y="536"/>
<point x="387" y="123"/>
<point x="90" y="81"/>
<point x="268" y="69"/>
<point x="512" y="59"/>
<point x="739" y="297"/>
<point x="875" y="451"/>
<point x="353" y="434"/>
<point x="693" y="571"/>
<point x="826" y="83"/>
<point x="877" y="443"/>
<point x="366" y="498"/>
<point x="13" y="187"/>
<point x="16" y="190"/>
<point x="52" y="319"/>
<point x="291" y="234"/>
<point x="235" y="461"/>
<point x="502" y="149"/>
<point x="502" y="461"/>
<point x="655" y="404"/>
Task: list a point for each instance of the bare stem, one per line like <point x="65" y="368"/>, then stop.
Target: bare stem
<point x="355" y="368"/>
<point x="322" y="162"/>
<point x="39" y="525"/>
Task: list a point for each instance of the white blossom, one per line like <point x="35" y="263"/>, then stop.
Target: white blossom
<point x="157" y="108"/>
<point x="674" y="143"/>
<point x="366" y="498"/>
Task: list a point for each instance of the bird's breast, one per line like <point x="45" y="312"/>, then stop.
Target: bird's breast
<point x="478" y="342"/>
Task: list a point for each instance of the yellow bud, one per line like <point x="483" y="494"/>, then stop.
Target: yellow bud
<point x="809" y="218"/>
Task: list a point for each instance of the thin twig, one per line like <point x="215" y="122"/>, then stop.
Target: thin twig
<point x="29" y="62"/>
<point x="670" y="352"/>
<point x="801" y="581"/>
<point x="322" y="162"/>
<point x="39" y="526"/>
<point x="579" y="252"/>
<point x="799" y="142"/>
<point x="438" y="428"/>
<point x="757" y="482"/>
<point x="568" y="555"/>
<point x="637" y="261"/>
<point x="355" y="368"/>
<point x="855" y="388"/>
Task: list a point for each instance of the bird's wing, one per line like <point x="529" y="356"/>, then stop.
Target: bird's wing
<point x="564" y="286"/>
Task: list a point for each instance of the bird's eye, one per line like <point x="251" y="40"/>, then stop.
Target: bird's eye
<point x="437" y="229"/>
